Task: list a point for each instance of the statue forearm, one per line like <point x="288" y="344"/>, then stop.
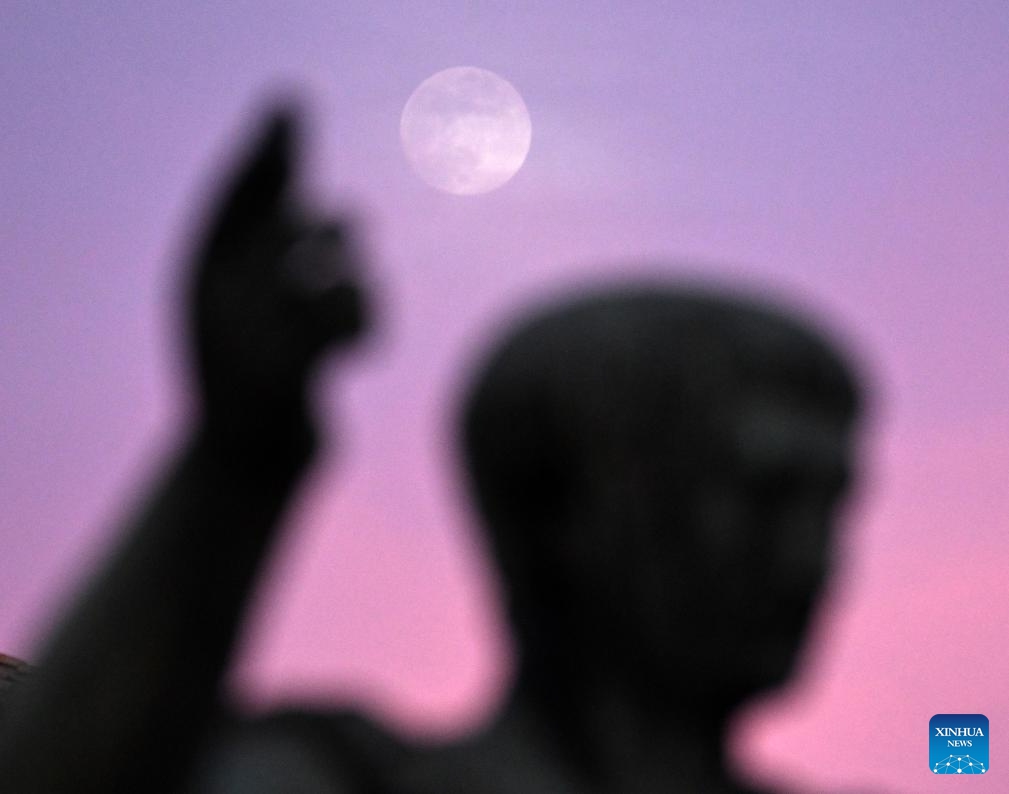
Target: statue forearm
<point x="120" y="698"/>
<point x="127" y="684"/>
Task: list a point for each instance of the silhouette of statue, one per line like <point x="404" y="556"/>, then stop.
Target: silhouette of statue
<point x="658" y="468"/>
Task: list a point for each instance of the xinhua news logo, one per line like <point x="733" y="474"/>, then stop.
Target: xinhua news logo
<point x="958" y="744"/>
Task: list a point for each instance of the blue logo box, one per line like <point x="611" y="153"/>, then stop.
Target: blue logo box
<point x="958" y="744"/>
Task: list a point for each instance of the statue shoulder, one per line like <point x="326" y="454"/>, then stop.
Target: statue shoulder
<point x="302" y="751"/>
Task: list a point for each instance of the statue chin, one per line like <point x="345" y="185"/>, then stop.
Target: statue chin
<point x="738" y="674"/>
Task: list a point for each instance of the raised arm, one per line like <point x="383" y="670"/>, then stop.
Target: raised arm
<point x="127" y="685"/>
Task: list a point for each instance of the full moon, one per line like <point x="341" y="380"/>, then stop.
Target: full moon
<point x="465" y="130"/>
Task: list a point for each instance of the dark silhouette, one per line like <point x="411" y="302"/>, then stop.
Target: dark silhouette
<point x="658" y="468"/>
<point x="11" y="671"/>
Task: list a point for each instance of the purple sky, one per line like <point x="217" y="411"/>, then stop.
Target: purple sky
<point x="851" y="156"/>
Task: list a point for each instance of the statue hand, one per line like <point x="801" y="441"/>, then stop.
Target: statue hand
<point x="273" y="290"/>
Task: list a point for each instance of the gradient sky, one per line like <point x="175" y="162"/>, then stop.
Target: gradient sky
<point x="849" y="156"/>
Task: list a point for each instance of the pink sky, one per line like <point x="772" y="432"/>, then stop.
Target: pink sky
<point x="850" y="156"/>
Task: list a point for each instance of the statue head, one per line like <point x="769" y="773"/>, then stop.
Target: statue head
<point x="659" y="470"/>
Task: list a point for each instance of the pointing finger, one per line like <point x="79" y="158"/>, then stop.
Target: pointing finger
<point x="258" y="187"/>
